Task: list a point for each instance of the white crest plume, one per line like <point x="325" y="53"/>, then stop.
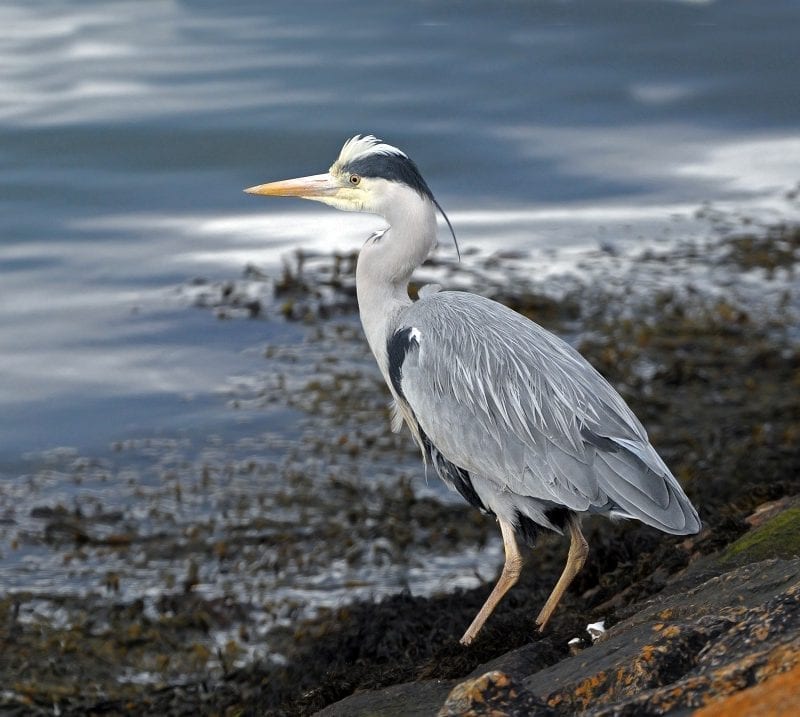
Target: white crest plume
<point x="361" y="146"/>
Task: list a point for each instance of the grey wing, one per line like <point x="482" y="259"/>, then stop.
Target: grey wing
<point x="516" y="406"/>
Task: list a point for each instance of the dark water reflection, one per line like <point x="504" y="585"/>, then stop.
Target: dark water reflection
<point x="128" y="129"/>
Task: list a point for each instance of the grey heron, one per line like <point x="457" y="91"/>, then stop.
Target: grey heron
<point x="509" y="415"/>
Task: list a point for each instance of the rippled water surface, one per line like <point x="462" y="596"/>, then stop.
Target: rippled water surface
<point x="128" y="129"/>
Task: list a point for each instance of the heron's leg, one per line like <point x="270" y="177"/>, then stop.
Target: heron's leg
<point x="578" y="550"/>
<point x="511" y="571"/>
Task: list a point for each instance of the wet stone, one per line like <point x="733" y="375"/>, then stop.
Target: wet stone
<point x="493" y="694"/>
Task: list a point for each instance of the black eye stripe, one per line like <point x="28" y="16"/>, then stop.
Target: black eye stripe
<point x="394" y="167"/>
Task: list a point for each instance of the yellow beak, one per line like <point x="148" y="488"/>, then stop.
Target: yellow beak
<point x="318" y="186"/>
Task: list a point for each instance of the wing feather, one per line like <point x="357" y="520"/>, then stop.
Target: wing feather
<point x="512" y="403"/>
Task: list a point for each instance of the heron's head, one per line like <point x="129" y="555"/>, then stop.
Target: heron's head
<point x="366" y="176"/>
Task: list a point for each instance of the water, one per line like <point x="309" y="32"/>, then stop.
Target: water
<point x="128" y="129"/>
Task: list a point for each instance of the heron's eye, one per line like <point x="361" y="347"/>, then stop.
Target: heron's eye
<point x="355" y="180"/>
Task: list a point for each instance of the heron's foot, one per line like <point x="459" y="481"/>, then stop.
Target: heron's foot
<point x="544" y="617"/>
<point x="467" y="639"/>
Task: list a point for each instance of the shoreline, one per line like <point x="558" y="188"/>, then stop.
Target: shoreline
<point x="701" y="340"/>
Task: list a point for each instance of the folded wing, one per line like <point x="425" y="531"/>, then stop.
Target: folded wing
<point x="515" y="405"/>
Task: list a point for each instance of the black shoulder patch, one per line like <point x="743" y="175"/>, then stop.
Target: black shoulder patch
<point x="398" y="345"/>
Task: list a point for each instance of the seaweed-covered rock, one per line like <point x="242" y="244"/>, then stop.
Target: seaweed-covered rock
<point x="777" y="536"/>
<point x="710" y="633"/>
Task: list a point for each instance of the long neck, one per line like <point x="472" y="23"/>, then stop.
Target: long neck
<point x="385" y="266"/>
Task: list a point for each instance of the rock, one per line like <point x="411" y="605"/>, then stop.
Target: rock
<point x="710" y="634"/>
<point x="493" y="694"/>
<point x="777" y="535"/>
<point x="776" y="697"/>
<point x="413" y="699"/>
<point x="688" y="665"/>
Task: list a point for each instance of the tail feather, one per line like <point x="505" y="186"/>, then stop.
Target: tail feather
<point x="655" y="498"/>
